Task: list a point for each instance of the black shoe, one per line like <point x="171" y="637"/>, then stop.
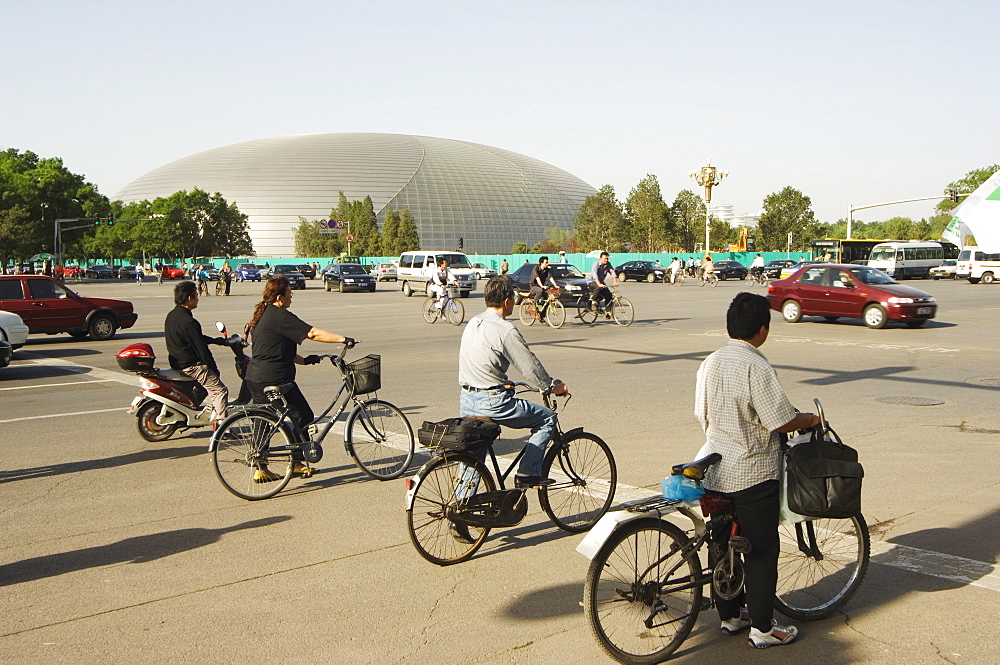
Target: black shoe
<point x="461" y="534"/>
<point x="527" y="482"/>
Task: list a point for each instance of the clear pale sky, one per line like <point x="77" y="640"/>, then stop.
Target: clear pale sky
<point x="849" y="102"/>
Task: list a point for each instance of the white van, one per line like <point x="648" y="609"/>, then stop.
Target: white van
<point x="904" y="260"/>
<point x="976" y="265"/>
<point x="415" y="270"/>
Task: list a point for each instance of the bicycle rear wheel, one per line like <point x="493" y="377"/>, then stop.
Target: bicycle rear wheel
<point x="586" y="477"/>
<point x="821" y="565"/>
<point x="428" y="310"/>
<point x="526" y="311"/>
<point x="455" y="311"/>
<point x="442" y="486"/>
<point x="555" y="315"/>
<point x="242" y="455"/>
<point x="623" y="311"/>
<point x="380" y="439"/>
<point x="634" y="598"/>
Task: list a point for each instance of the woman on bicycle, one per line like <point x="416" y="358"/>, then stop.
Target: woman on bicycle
<point x="275" y="333"/>
<point x="707" y="268"/>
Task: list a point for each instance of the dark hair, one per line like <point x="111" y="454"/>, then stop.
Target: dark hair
<point x="542" y="258"/>
<point x="441" y="260"/>
<point x="274" y="288"/>
<point x="605" y="254"/>
<point x="748" y="313"/>
<point x="185" y="290"/>
<point x="498" y="289"/>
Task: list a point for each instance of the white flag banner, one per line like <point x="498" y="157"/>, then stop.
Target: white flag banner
<point x="978" y="215"/>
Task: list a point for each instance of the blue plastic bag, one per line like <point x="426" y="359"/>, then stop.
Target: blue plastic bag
<point x="682" y="488"/>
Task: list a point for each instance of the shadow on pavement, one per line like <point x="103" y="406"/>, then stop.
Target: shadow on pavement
<point x="55" y="353"/>
<point x="833" y="377"/>
<point x="7" y="476"/>
<point x="140" y="549"/>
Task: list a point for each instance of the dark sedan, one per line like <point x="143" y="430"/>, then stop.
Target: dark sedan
<point x="100" y="271"/>
<point x="773" y="268"/>
<point x="834" y="290"/>
<point x="730" y="270"/>
<point x="570" y="280"/>
<point x="306" y="270"/>
<point x="296" y="279"/>
<point x="347" y="277"/>
<point x="646" y="271"/>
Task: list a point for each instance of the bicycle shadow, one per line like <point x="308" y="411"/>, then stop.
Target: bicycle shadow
<point x="139" y="549"/>
<point x="514" y="538"/>
<point x="148" y="455"/>
<point x="325" y="482"/>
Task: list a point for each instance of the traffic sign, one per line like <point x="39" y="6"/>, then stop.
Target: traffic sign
<point x="349" y="237"/>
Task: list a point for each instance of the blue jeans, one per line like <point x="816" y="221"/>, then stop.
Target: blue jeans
<point x="507" y="410"/>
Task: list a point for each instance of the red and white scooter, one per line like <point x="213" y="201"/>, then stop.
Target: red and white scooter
<point x="169" y="400"/>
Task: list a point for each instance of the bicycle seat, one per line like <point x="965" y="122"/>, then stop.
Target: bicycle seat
<point x="276" y="393"/>
<point x="695" y="470"/>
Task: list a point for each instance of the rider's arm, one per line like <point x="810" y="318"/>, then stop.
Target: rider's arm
<point x="320" y="335"/>
<point x="800" y="421"/>
<point x="516" y="350"/>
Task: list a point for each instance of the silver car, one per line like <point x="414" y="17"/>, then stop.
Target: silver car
<point x="383" y="272"/>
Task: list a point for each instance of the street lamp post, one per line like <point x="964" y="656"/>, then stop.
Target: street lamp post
<point x="708" y="177"/>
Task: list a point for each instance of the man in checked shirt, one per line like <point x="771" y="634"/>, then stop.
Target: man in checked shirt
<point x="742" y="409"/>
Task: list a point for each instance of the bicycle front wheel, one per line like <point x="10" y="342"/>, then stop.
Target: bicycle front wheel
<point x="380" y="439"/>
<point x="821" y="565"/>
<point x="243" y="457"/>
<point x="642" y="596"/>
<point x="623" y="311"/>
<point x="586" y="477"/>
<point x="456" y="312"/>
<point x="220" y="287"/>
<point x="442" y="488"/>
<point x="427" y="310"/>
<point x="526" y="311"/>
<point x="555" y="315"/>
<point x="588" y="315"/>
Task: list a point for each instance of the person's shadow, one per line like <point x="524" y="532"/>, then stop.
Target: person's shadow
<point x="139" y="549"/>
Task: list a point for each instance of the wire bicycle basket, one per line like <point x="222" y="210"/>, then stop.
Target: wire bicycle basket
<point x="453" y="292"/>
<point x="365" y="374"/>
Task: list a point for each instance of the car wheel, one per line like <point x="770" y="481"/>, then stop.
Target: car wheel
<point x="722" y="276"/>
<point x="875" y="316"/>
<point x="988" y="278"/>
<point x="407" y="291"/>
<point x="791" y="311"/>
<point x="935" y="278"/>
<point x="622" y="277"/>
<point x="341" y="288"/>
<point x="517" y="297"/>
<point x="101" y="327"/>
<point x="650" y="278"/>
<point x="973" y="280"/>
<point x="326" y="283"/>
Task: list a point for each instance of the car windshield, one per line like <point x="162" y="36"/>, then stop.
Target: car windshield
<point x="948" y="263"/>
<point x="284" y="268"/>
<point x="873" y="276"/>
<point x="454" y="260"/>
<point x="882" y="254"/>
<point x="352" y="269"/>
<point x="248" y="266"/>
<point x="565" y="270"/>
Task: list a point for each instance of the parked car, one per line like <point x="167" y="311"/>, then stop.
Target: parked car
<point x="126" y="272"/>
<point x="347" y="277"/>
<point x="482" y="272"/>
<point x="248" y="272"/>
<point x="172" y="272"/>
<point x="100" y="271"/>
<point x="307" y="270"/>
<point x="384" y="272"/>
<point x="567" y="276"/>
<point x="13" y="330"/>
<point x="844" y="290"/>
<point x="730" y="270"/>
<point x="296" y="279"/>
<point x="946" y="269"/>
<point x="772" y="270"/>
<point x="646" y="271"/>
<point x="46" y="306"/>
<point x="213" y="272"/>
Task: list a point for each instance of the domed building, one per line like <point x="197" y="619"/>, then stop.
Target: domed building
<point x="491" y="198"/>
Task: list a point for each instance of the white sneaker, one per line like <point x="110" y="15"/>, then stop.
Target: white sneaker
<point x="737" y="625"/>
<point x="777" y="636"/>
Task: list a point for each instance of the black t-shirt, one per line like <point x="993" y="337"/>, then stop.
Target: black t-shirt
<point x="274" y="339"/>
<point x="542" y="274"/>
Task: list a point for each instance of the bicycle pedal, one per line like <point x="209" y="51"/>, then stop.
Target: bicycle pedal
<point x="739" y="544"/>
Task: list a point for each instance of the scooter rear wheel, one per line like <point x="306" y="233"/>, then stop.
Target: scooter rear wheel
<point x="146" y="423"/>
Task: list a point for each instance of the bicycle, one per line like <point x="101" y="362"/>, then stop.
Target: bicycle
<point x="550" y="311"/>
<point x="456" y="488"/>
<point x="644" y="586"/>
<point x="451" y="308"/>
<point x="220" y="287"/>
<point x="377" y="435"/>
<point x="678" y="278"/>
<point x="619" y="308"/>
<point x="710" y="278"/>
<point x="756" y="278"/>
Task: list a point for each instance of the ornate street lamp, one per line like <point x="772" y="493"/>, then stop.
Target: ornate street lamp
<point x="708" y="177"/>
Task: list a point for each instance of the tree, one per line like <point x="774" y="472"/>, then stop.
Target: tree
<point x="309" y="242"/>
<point x="647" y="214"/>
<point x="519" y="248"/>
<point x="390" y="233"/>
<point x="600" y="223"/>
<point x="966" y="184"/>
<point x="367" y="241"/>
<point x="722" y="233"/>
<point x="898" y="228"/>
<point x="687" y="214"/>
<point x="409" y="239"/>
<point x="787" y="211"/>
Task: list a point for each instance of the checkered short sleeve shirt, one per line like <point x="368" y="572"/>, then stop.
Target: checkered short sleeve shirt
<point x="739" y="403"/>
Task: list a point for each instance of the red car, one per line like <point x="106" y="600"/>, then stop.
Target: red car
<point x="834" y="290"/>
<point x="172" y="272"/>
<point x="46" y="306"/>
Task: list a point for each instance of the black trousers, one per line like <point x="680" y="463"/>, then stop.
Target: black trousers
<point x="301" y="413"/>
<point x="599" y="293"/>
<point x="757" y="514"/>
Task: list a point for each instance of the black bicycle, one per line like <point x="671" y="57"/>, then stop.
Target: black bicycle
<point x="453" y="501"/>
<point x="377" y="435"/>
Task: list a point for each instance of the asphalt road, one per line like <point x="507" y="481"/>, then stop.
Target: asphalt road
<point x="116" y="550"/>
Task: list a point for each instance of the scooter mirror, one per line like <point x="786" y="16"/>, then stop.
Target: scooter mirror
<point x="221" y="327"/>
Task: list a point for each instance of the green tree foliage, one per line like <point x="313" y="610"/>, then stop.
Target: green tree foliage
<point x="519" y="248"/>
<point x="390" y="233"/>
<point x="309" y="242"/>
<point x="966" y="184"/>
<point x="687" y="214"/>
<point x="600" y="223"/>
<point x="367" y="241"/>
<point x="787" y="211"/>
<point x="722" y="234"/>
<point x="409" y="239"/>
<point x="648" y="216"/>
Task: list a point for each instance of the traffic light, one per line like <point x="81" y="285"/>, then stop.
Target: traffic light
<point x="97" y="221"/>
<point x="111" y="220"/>
<point x="461" y="243"/>
<point x="953" y="195"/>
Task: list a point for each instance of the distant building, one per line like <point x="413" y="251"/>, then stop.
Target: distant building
<point x="726" y="212"/>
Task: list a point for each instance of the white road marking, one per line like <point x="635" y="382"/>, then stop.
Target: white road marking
<point x="60" y="415"/>
<point x="54" y="385"/>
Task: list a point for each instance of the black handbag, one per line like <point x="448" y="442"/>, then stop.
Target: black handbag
<point x="458" y="433"/>
<point x="823" y="476"/>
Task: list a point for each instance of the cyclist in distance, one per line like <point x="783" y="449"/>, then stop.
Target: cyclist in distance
<point x="707" y="268"/>
<point x="674" y="268"/>
<point x="490" y="345"/>
<point x="439" y="281"/>
<point x="541" y="274"/>
<point x="597" y="279"/>
<point x="757" y="265"/>
<point x="742" y="409"/>
<point x="275" y="333"/>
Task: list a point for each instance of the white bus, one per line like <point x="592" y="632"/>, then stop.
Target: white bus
<point x="904" y="260"/>
<point x="976" y="265"/>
